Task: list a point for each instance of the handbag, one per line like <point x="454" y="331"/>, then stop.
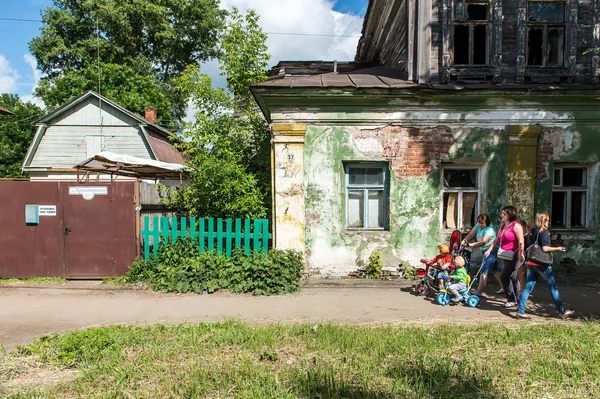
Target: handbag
<point x="502" y="253"/>
<point x="536" y="254"/>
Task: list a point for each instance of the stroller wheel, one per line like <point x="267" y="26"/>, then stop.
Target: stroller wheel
<point x="422" y="289"/>
<point x="473" y="301"/>
<point x="443" y="298"/>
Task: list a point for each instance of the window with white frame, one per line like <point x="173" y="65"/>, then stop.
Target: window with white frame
<point x="461" y="192"/>
<point x="569" y="197"/>
<point x="366" y="196"/>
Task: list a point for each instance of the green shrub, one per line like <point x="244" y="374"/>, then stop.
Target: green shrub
<point x="181" y="267"/>
<point x="373" y="267"/>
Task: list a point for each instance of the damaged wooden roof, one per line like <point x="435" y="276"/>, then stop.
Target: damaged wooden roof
<point x="373" y="77"/>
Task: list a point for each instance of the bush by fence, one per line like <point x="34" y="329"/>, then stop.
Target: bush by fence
<point x="181" y="267"/>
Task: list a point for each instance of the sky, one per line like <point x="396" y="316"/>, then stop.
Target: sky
<point x="18" y="73"/>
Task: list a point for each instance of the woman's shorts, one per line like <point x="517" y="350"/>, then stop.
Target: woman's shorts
<point x="490" y="264"/>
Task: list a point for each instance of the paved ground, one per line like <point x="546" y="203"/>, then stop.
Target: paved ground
<point x="27" y="312"/>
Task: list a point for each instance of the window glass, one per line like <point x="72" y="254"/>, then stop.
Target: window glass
<point x="573" y="177"/>
<point x="558" y="216"/>
<point x="375" y="209"/>
<point x="366" y="176"/>
<point x="356" y="208"/>
<point x="535" y="49"/>
<point x="477" y="12"/>
<point x="450" y="212"/>
<point x="461" y="44"/>
<point x="578" y="206"/>
<point x="557" y="181"/>
<point x="458" y="10"/>
<point x="546" y="12"/>
<point x="480" y="41"/>
<point x="460" y="178"/>
<point x="469" y="201"/>
<point x="555" y="46"/>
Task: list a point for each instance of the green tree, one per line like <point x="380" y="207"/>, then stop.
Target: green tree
<point x="168" y="34"/>
<point x="119" y="83"/>
<point x="155" y="39"/>
<point x="16" y="133"/>
<point x="228" y="143"/>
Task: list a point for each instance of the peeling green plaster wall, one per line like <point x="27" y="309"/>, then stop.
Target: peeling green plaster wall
<point x="414" y="202"/>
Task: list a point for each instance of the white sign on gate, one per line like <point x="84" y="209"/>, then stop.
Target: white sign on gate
<point x="47" y="210"/>
<point x="88" y="193"/>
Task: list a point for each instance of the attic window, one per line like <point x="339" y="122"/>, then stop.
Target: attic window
<point x="471" y="31"/>
<point x="546" y="33"/>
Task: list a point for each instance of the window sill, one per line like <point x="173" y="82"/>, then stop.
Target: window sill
<point x="366" y="231"/>
<point x="573" y="234"/>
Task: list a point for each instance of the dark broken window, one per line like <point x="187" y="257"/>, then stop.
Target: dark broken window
<point x="471" y="20"/>
<point x="460" y="198"/>
<point x="545" y="39"/>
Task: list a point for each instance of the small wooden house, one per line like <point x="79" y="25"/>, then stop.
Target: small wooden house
<point x="91" y="124"/>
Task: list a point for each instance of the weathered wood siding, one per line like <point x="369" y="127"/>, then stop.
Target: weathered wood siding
<point x="396" y="33"/>
<point x="386" y="34"/>
<point x="66" y="146"/>
<point x="67" y="137"/>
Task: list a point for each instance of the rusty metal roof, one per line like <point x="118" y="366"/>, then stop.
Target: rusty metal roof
<point x="374" y="77"/>
<point x="4" y="111"/>
<point x="164" y="150"/>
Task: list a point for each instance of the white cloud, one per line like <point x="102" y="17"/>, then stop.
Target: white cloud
<point x="36" y="75"/>
<point x="304" y="16"/>
<point x="8" y="76"/>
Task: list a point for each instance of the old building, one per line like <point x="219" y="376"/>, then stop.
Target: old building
<point x="451" y="108"/>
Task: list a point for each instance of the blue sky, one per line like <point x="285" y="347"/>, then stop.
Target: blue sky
<point x="305" y="16"/>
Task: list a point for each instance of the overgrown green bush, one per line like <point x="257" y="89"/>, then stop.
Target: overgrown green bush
<point x="373" y="267"/>
<point x="181" y="267"/>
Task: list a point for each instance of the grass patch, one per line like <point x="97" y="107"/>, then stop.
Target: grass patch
<point x="238" y="360"/>
<point x="35" y="280"/>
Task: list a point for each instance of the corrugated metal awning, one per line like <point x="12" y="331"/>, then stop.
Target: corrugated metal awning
<point x="127" y="165"/>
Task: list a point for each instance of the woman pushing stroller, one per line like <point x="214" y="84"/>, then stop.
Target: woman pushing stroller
<point x="485" y="235"/>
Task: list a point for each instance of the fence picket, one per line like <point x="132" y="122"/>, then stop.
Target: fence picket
<point x="255" y="235"/>
<point x="228" y="236"/>
<point x="211" y="234"/>
<point x="247" y="236"/>
<point x="220" y="235"/>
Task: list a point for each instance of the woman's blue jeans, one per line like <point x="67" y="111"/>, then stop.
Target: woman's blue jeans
<point x="533" y="272"/>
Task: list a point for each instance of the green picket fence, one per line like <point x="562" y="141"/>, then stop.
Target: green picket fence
<point x="212" y="234"/>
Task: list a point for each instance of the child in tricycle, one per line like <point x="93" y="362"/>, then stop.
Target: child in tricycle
<point x="458" y="280"/>
<point x="442" y="262"/>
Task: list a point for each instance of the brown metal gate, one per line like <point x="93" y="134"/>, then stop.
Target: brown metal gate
<point x="87" y="231"/>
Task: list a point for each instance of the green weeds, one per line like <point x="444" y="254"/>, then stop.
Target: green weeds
<point x="238" y="360"/>
<point x="181" y="267"/>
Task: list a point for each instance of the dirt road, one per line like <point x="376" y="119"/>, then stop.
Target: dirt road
<point x="28" y="312"/>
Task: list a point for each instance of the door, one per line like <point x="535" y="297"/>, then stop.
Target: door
<point x="98" y="228"/>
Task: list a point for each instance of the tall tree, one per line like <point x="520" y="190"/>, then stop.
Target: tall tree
<point x="16" y="133"/>
<point x="228" y="143"/>
<point x="156" y="39"/>
<point x="119" y="83"/>
<point x="169" y="34"/>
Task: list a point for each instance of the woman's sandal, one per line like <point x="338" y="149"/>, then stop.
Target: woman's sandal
<point x="523" y="316"/>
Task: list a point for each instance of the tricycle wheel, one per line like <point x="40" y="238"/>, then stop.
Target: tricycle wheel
<point x="443" y="298"/>
<point x="473" y="301"/>
<point x="422" y="289"/>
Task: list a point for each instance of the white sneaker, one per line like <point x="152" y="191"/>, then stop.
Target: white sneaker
<point x="500" y="291"/>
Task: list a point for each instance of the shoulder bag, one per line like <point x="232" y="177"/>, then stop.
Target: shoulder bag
<point x="502" y="253"/>
<point x="536" y="254"/>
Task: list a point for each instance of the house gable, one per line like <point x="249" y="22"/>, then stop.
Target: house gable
<point x="87" y="125"/>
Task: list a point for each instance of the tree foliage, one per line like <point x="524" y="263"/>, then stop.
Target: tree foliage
<point x="16" y="133"/>
<point x="152" y="41"/>
<point x="228" y="143"/>
<point x="119" y="83"/>
<point x="168" y="34"/>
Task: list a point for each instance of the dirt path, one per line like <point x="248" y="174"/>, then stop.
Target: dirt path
<point x="28" y="312"/>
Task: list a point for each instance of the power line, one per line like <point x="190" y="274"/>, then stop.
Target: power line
<point x="268" y="33"/>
